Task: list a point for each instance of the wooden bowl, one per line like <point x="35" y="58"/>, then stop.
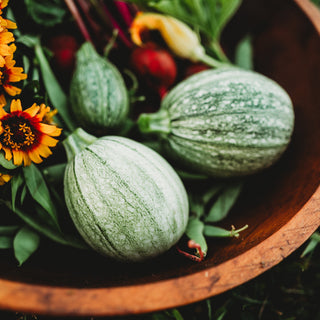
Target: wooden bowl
<point x="281" y="205"/>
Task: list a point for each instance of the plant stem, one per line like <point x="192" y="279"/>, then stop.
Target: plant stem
<point x="76" y="142"/>
<point x="158" y="122"/>
<point x="124" y="12"/>
<point x="215" y="46"/>
<point x="212" y="62"/>
<point x="75" y="13"/>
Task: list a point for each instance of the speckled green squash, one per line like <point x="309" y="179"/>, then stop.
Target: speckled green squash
<point x="126" y="201"/>
<point x="98" y="95"/>
<point x="225" y="122"/>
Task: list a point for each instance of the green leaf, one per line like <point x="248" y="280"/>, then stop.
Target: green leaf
<point x="16" y="182"/>
<point x="5" y="163"/>
<point x="39" y="190"/>
<point x="224" y="202"/>
<point x="316" y="2"/>
<point x="46" y="12"/>
<point x="54" y="174"/>
<point x="194" y="232"/>
<point x="39" y="223"/>
<point x="8" y="230"/>
<point x="223" y="11"/>
<point x="313" y="243"/>
<point x="243" y="54"/>
<point x="176" y="314"/>
<point x="208" y="16"/>
<point x="57" y="96"/>
<point x="25" y="243"/>
<point x="6" y="242"/>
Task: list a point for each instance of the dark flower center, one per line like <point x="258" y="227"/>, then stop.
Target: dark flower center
<point x="18" y="133"/>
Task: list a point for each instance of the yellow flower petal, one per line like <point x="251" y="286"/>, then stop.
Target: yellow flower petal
<point x="26" y="159"/>
<point x="17" y="157"/>
<point x="2" y="111"/>
<point x="48" y="141"/>
<point x="11" y="90"/>
<point x="15" y="105"/>
<point x="34" y="156"/>
<point x="33" y="110"/>
<point x="4" y="178"/>
<point x="50" y="129"/>
<point x="44" y="151"/>
<point x="8" y="154"/>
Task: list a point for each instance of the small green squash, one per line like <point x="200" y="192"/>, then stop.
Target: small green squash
<point x="125" y="200"/>
<point x="98" y="95"/>
<point x="224" y="122"/>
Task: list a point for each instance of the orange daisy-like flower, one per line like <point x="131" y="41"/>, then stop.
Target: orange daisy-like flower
<point x="3" y="4"/>
<point x="23" y="135"/>
<point x="8" y="74"/>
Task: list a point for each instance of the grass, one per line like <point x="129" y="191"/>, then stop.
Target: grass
<point x="288" y="291"/>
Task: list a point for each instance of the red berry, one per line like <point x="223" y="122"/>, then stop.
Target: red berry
<point x="156" y="67"/>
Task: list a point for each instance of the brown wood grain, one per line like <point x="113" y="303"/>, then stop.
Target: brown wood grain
<point x="281" y="205"/>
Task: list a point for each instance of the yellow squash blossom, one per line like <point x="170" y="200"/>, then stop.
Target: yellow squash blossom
<point x="4" y="178"/>
<point x="23" y="134"/>
<point x="179" y="37"/>
<point x="8" y="74"/>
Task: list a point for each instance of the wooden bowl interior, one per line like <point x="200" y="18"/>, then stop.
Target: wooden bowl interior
<point x="286" y="48"/>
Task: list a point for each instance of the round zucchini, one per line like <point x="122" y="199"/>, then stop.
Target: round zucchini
<point x="224" y="122"/>
<point x="98" y="95"/>
<point x="125" y="200"/>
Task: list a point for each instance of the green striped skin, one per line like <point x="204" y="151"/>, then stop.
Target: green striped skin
<point x="126" y="200"/>
<point x="225" y="122"/>
<point x="98" y="95"/>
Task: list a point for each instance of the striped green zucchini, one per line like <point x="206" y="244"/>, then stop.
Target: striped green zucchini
<point x="98" y="95"/>
<point x="126" y="201"/>
<point x="225" y="122"/>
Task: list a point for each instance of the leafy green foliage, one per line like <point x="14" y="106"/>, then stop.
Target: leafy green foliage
<point x="46" y="12"/>
<point x="57" y="96"/>
<point x="316" y="2"/>
<point x="39" y="190"/>
<point x="312" y="244"/>
<point x="212" y="206"/>
<point x="224" y="203"/>
<point x="25" y="243"/>
<point x="16" y="182"/>
<point x="6" y="236"/>
<point x="5" y="163"/>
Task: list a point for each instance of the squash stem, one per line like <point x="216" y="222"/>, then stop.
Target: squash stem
<point x="212" y="62"/>
<point x="158" y="122"/>
<point x="76" y="142"/>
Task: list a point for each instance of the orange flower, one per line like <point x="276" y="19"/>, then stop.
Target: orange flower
<point x="7" y="24"/>
<point x="23" y="135"/>
<point x="4" y="178"/>
<point x="9" y="73"/>
<point x="3" y="4"/>
<point x="5" y="50"/>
